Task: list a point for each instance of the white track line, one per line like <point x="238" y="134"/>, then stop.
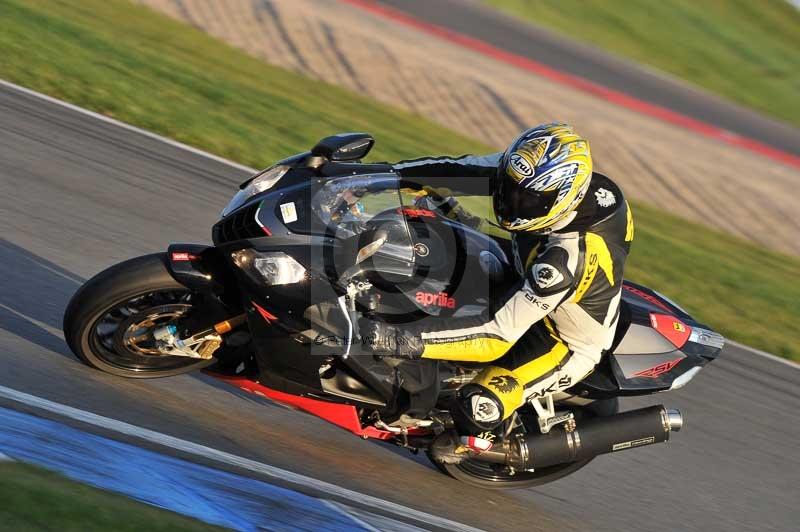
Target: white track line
<point x="786" y="361"/>
<point x="196" y="151"/>
<point x="58" y="333"/>
<point x="227" y="458"/>
<point x="340" y="508"/>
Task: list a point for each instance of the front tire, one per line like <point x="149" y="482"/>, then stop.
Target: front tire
<point x="113" y="300"/>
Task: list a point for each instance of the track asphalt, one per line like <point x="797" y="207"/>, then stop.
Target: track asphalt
<point x="79" y="194"/>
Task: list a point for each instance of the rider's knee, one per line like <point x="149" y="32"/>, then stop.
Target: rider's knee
<point x="487" y="401"/>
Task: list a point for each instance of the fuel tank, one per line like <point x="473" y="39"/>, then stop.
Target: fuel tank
<point x="457" y="271"/>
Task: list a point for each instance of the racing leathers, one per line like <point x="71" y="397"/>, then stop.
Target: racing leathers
<point x="553" y="327"/>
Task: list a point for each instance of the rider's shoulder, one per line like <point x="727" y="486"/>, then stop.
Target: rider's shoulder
<point x="602" y="202"/>
<point x="604" y="196"/>
<point x="553" y="270"/>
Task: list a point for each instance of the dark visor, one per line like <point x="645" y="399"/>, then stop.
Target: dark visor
<point x="511" y="201"/>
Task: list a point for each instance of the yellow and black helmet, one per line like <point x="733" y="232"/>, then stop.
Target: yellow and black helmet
<point x="542" y="178"/>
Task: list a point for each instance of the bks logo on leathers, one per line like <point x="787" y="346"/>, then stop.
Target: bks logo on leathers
<point x="563" y="382"/>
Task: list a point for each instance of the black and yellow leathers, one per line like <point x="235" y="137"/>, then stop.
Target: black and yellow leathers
<point x="553" y="328"/>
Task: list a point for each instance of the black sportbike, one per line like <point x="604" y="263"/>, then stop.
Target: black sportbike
<point x="317" y="241"/>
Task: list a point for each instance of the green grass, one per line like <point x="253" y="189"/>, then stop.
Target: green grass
<point x="37" y="499"/>
<point x="135" y="65"/>
<point x="745" y="292"/>
<point x="745" y="50"/>
<point x="143" y="68"/>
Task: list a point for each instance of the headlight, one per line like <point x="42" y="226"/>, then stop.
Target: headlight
<point x="272" y="268"/>
<point x="261" y="182"/>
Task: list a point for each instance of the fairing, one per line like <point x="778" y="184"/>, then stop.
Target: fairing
<point x="657" y="344"/>
<point x="420" y="265"/>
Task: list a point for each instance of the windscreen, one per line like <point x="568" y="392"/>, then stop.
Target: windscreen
<point x="365" y="213"/>
<point x="347" y="204"/>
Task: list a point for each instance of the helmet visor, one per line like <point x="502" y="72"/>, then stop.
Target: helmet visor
<point x="512" y="201"/>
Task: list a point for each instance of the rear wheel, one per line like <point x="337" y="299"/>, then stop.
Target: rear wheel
<point x="107" y="322"/>
<point x="497" y="476"/>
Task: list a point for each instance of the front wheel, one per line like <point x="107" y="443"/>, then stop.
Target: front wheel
<point x="111" y="310"/>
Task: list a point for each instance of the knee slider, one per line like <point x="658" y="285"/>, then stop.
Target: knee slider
<point x="487" y="401"/>
<point x="475" y="409"/>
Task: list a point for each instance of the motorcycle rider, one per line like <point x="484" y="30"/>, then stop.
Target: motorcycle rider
<point x="571" y="232"/>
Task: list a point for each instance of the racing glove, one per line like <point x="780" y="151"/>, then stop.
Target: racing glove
<point x="388" y="340"/>
<point x="441" y="200"/>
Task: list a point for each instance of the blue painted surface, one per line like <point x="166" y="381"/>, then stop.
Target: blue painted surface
<point x="202" y="492"/>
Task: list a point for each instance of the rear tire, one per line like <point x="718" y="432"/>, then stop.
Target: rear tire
<point x="491" y="476"/>
<point x="118" y="293"/>
<point x="483" y="475"/>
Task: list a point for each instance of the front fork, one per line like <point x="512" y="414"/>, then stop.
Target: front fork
<point x="202" y="344"/>
<point x="203" y="270"/>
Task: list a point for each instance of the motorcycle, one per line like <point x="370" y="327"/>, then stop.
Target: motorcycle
<point x="314" y="243"/>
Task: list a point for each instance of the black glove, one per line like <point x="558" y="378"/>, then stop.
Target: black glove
<point x="448" y="206"/>
<point x="388" y="340"/>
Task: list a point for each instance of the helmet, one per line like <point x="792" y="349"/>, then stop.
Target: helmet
<point x="542" y="177"/>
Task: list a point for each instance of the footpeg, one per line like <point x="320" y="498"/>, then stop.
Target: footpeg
<point x="568" y="418"/>
<point x="548" y="418"/>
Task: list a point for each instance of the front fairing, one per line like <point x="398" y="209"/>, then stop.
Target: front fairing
<point x="368" y="227"/>
<point x="325" y="223"/>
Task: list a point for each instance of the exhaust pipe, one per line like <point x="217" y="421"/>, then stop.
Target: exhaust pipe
<point x="674" y="419"/>
<point x="590" y="438"/>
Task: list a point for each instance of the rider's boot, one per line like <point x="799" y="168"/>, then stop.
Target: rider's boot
<point x="476" y="412"/>
<point x="450" y="448"/>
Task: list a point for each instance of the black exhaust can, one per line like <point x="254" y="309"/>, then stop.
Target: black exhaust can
<point x="593" y="437"/>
